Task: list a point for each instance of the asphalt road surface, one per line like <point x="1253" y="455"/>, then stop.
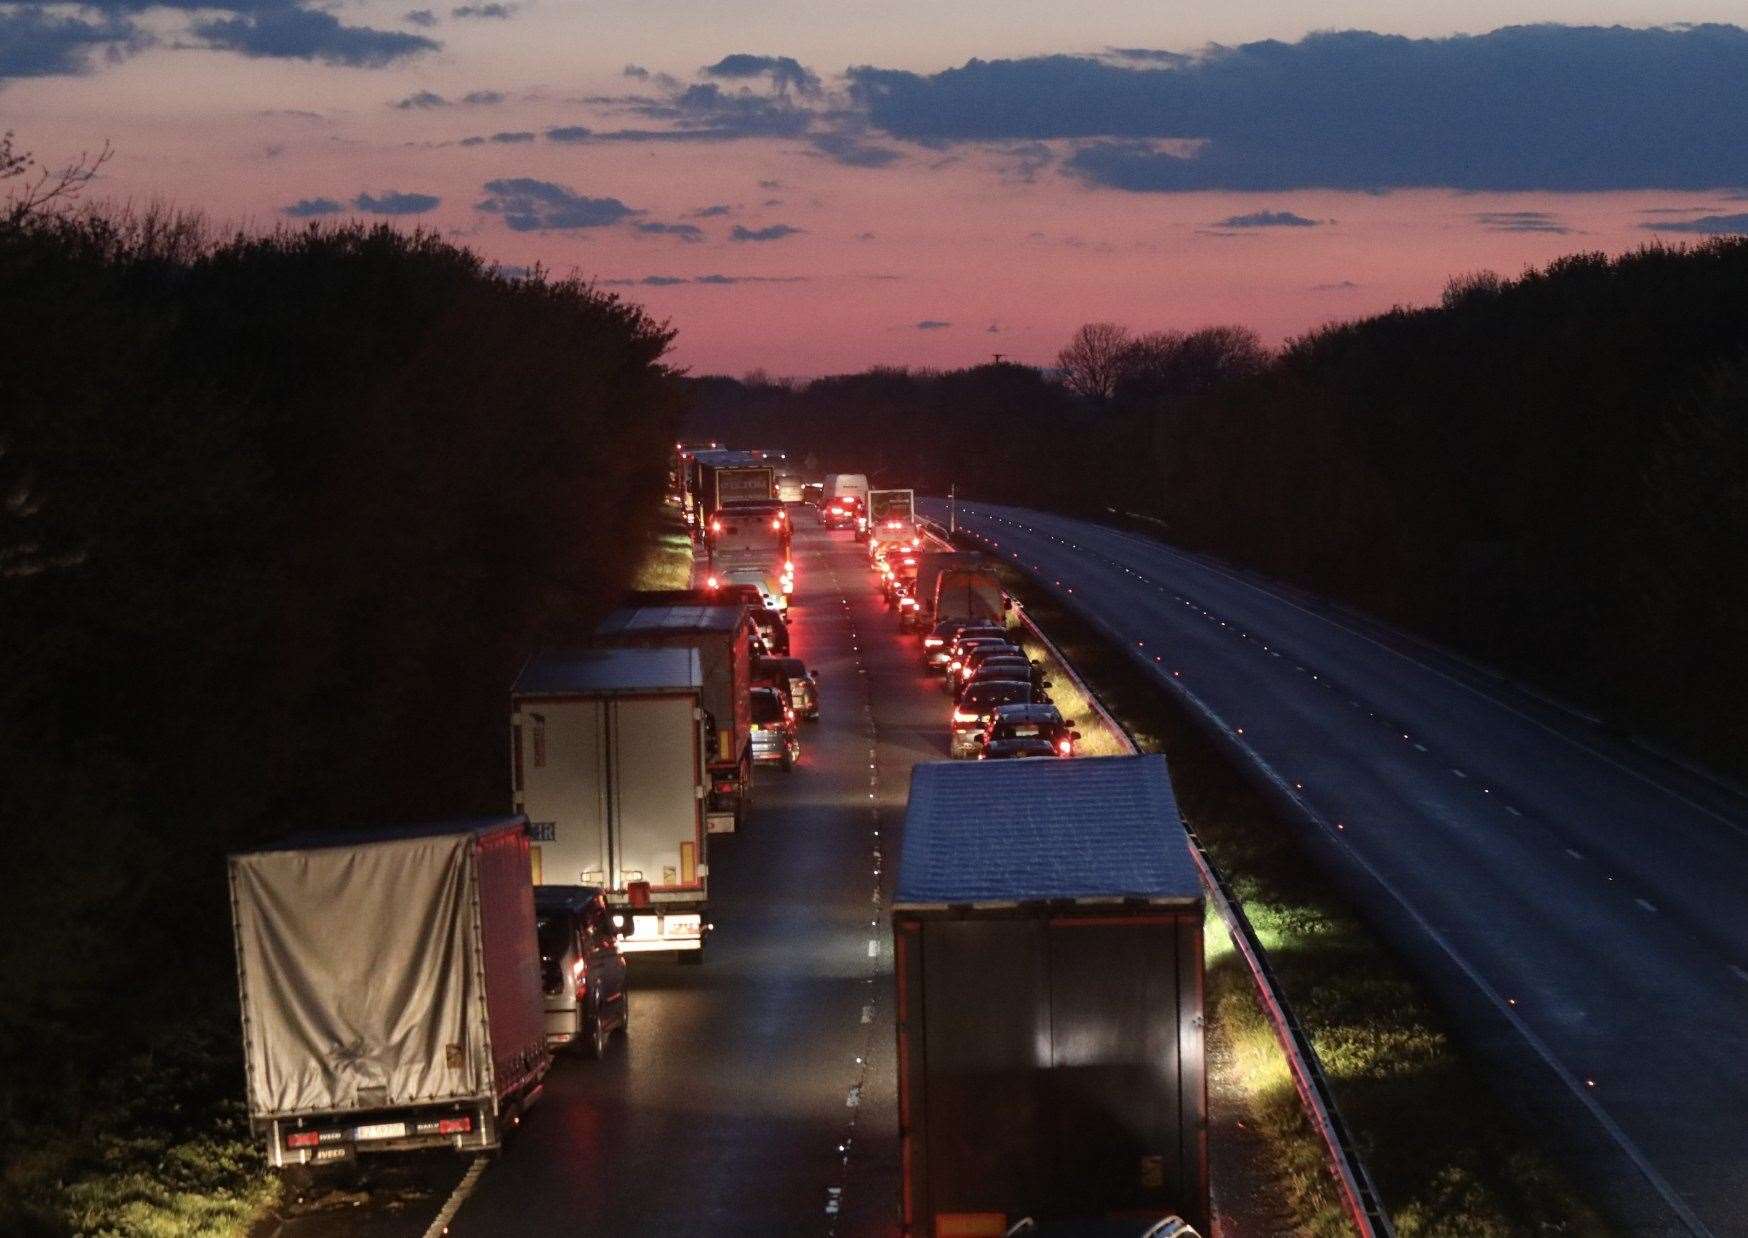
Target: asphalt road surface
<point x="1580" y="905"/>
<point x="755" y="1094"/>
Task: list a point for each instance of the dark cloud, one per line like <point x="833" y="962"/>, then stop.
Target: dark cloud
<point x="305" y="34"/>
<point x="1150" y="55"/>
<point x="482" y="98"/>
<point x="784" y="71"/>
<point x="423" y="99"/>
<point x="1707" y="225"/>
<point x="1268" y="219"/>
<point x="865" y="236"/>
<point x="711" y="212"/>
<point x="750" y="279"/>
<point x="394" y="203"/>
<point x="686" y="232"/>
<point x="1525" y="107"/>
<point x="668" y="281"/>
<point x="310" y="208"/>
<point x="484" y="11"/>
<point x="1340" y="285"/>
<point x="852" y="152"/>
<point x="775" y="232"/>
<point x="771" y="185"/>
<point x="519" y="135"/>
<point x="568" y="133"/>
<point x="421" y="17"/>
<point x="38" y="44"/>
<point x="528" y="205"/>
<point x="707" y="110"/>
<point x="932" y="324"/>
<point x="1521" y="221"/>
<point x="637" y="71"/>
<point x="648" y="281"/>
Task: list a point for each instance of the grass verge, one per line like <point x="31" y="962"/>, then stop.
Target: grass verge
<point x="668" y="564"/>
<point x="167" y="1155"/>
<point x="1448" y="1157"/>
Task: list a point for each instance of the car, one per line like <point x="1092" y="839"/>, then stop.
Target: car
<point x="775" y="738"/>
<point x="938" y="641"/>
<point x="846" y="511"/>
<point x="1003" y="749"/>
<point x="965" y="648"/>
<point x="1006" y="668"/>
<point x="791" y="677"/>
<point x="581" y="970"/>
<point x="813" y="492"/>
<point x="773" y="631"/>
<point x="971" y="714"/>
<point x="758" y="580"/>
<point x="978" y="654"/>
<point x="975" y="631"/>
<point x="1032" y="722"/>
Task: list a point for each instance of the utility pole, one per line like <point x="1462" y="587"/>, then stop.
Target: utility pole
<point x="998" y="356"/>
<point x="952" y="510"/>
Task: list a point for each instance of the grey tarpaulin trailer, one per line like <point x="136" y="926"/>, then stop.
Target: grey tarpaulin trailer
<point x="390" y="986"/>
<point x="1048" y="955"/>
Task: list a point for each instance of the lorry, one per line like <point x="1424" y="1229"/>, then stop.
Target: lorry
<point x="391" y="989"/>
<point x="959" y="584"/>
<point x="720" y="478"/>
<point x="846" y="502"/>
<point x="607" y="763"/>
<point x="892" y="513"/>
<point x="1047" y="933"/>
<point x="723" y="636"/>
<point x="753" y="538"/>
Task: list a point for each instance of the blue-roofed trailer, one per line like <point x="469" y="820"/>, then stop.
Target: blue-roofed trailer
<point x="608" y="762"/>
<point x="1048" y="953"/>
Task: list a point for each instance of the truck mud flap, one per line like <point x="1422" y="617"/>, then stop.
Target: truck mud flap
<point x="719" y="822"/>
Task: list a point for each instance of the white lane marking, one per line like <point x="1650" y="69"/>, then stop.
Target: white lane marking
<point x="873" y="949"/>
<point x="868" y="1014"/>
<point x="1575" y="855"/>
<point x="1648" y="906"/>
<point x="1740" y="973"/>
<point x="1459" y="773"/>
<point x="1422" y="747"/>
<point x="440" y="1223"/>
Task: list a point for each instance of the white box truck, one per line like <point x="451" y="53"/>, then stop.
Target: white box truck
<point x="608" y="763"/>
<point x="390" y="987"/>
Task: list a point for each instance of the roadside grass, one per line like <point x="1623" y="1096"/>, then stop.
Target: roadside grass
<point x="168" y="1156"/>
<point x="1446" y="1154"/>
<point x="668" y="563"/>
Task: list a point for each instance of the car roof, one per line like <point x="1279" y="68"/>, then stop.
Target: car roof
<point x="995" y="687"/>
<point x="1029" y="712"/>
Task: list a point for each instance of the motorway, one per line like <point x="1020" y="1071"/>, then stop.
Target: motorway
<point x="1580" y="905"/>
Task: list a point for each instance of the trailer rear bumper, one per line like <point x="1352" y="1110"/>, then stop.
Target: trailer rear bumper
<point x="658" y="929"/>
<point x="332" y="1138"/>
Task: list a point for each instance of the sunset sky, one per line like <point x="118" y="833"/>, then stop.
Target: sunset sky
<point x="817" y="187"/>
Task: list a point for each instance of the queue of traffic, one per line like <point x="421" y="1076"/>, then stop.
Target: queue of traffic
<point x="509" y="938"/>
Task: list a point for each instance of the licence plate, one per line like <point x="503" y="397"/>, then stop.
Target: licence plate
<point x="1025" y="732"/>
<point x="382" y="1130"/>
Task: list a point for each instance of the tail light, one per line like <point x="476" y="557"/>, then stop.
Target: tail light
<point x="1065" y="747"/>
<point x="454" y="1126"/>
<point x="303" y="1139"/>
<point x="776" y="524"/>
<point x="933" y="642"/>
<point x="711" y="583"/>
<point x="716" y="526"/>
<point x="961" y="716"/>
<point x="580" y="976"/>
<point x="789" y="567"/>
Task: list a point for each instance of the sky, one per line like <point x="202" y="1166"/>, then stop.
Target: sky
<point x="811" y="188"/>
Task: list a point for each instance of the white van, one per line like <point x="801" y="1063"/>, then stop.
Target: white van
<point x="844" y="485"/>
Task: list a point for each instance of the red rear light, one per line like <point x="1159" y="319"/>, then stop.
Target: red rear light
<point x="716" y="526"/>
<point x="303" y="1139"/>
<point x="454" y="1126"/>
<point x="711" y="583"/>
<point x="776" y="524"/>
<point x="1065" y="746"/>
<point x="789" y="566"/>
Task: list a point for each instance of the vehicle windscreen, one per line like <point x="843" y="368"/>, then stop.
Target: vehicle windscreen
<point x="767" y="708"/>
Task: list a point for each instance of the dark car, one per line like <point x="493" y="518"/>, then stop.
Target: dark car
<point x="938" y="643"/>
<point x="968" y="649"/>
<point x="1007" y="668"/>
<point x="972" y="713"/>
<point x="776" y="740"/>
<point x="581" y="970"/>
<point x="1030" y="722"/>
<point x="791" y="677"/>
<point x="846" y="511"/>
<point x="975" y="657"/>
<point x="773" y="630"/>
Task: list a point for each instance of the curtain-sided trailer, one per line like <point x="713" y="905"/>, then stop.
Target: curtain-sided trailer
<point x="390" y="989"/>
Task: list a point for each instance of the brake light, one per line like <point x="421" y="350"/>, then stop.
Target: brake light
<point x="303" y="1139"/>
<point x="716" y="526"/>
<point x="933" y="642"/>
<point x="711" y="583"/>
<point x="776" y="524"/>
<point x="959" y="715"/>
<point x="789" y="567"/>
<point x="1065" y="746"/>
<point x="454" y="1126"/>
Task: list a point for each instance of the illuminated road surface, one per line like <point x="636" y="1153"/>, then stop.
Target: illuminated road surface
<point x="1581" y="907"/>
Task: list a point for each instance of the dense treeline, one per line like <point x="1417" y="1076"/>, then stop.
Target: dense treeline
<point x="279" y="515"/>
<point x="1549" y="472"/>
